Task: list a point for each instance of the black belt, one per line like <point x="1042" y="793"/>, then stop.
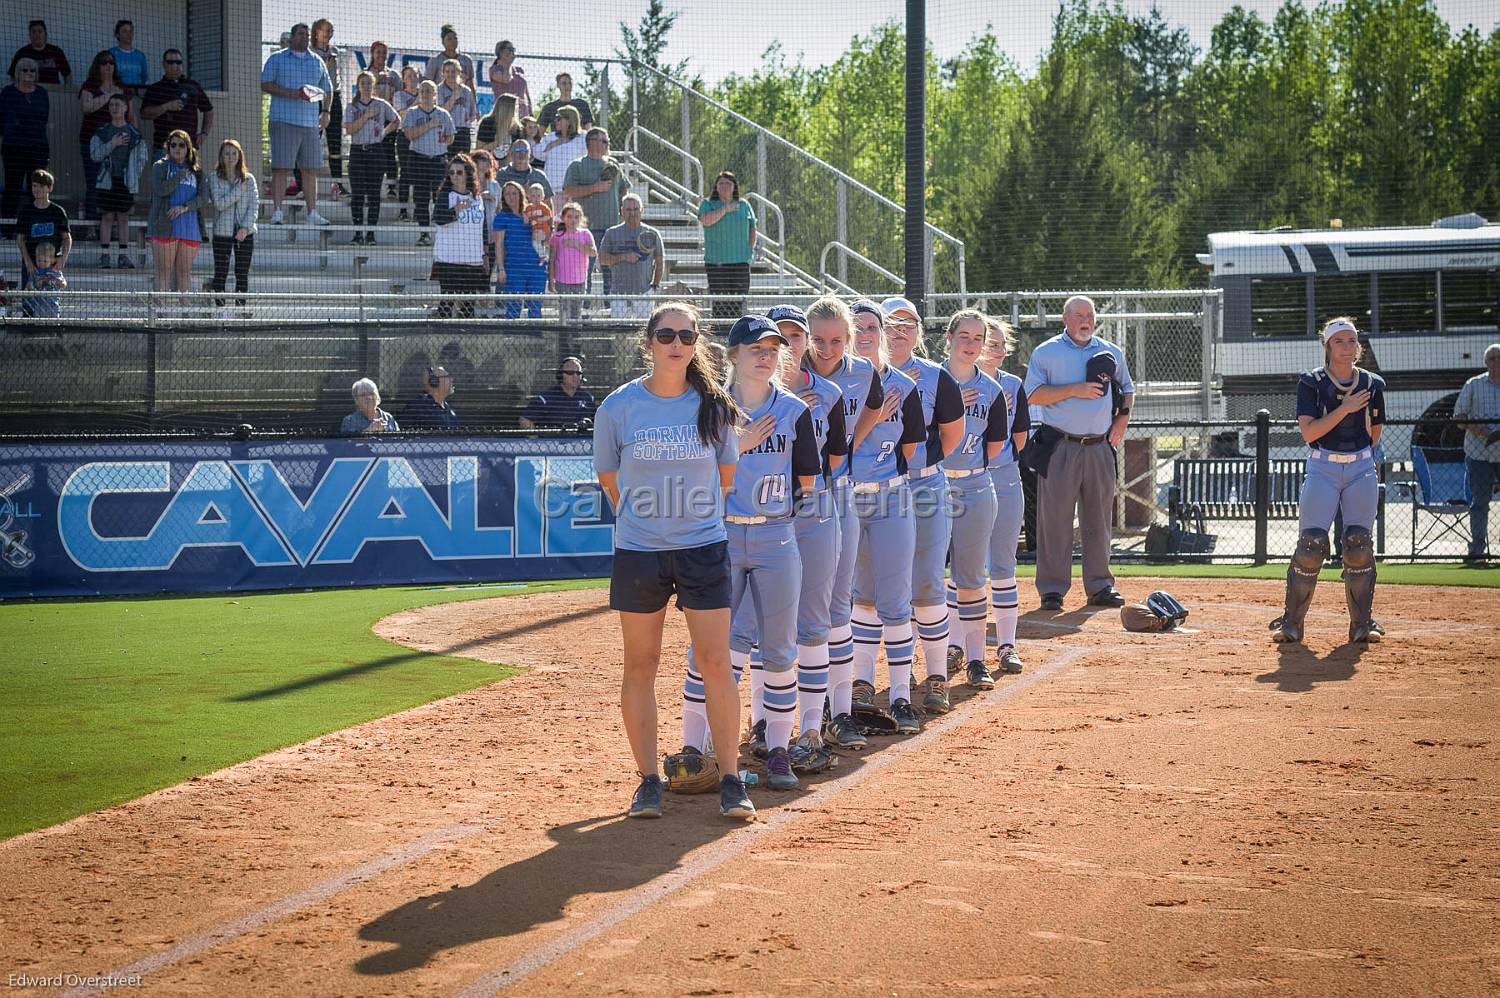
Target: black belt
<point x="1087" y="441"/>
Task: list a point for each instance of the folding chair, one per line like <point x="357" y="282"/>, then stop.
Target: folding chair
<point x="1443" y="491"/>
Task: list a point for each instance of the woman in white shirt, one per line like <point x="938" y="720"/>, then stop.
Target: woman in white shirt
<point x="458" y="247"/>
<point x="562" y="147"/>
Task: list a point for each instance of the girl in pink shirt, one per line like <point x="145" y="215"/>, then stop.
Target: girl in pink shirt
<point x="568" y="264"/>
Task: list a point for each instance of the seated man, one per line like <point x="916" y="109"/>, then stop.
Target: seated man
<point x="562" y="405"/>
<point x="430" y="410"/>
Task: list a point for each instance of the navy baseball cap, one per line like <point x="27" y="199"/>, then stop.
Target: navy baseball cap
<point x="753" y="329"/>
<point x="868" y="307"/>
<point x="788" y="313"/>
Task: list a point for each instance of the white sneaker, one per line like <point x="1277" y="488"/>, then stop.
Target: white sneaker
<point x="277" y="217"/>
<point x="313" y="218"/>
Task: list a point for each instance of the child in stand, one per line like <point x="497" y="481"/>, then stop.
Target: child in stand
<point x="569" y="264"/>
<point x="119" y="156"/>
<point x="538" y="215"/>
<point x="46" y="277"/>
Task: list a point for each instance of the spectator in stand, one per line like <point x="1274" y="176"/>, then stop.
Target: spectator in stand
<point x="117" y="157"/>
<point x="429" y="129"/>
<point x="459" y="101"/>
<point x="564" y="145"/>
<point x="564" y="404"/>
<point x="402" y="102"/>
<point x="523" y="169"/>
<point x="434" y="70"/>
<point x="39" y="220"/>
<point x="51" y="64"/>
<point x="24" y="109"/>
<point x="596" y="182"/>
<point x="371" y="122"/>
<point x="538" y="215"/>
<point x="321" y="45"/>
<point x="499" y="129"/>
<point x="172" y="226"/>
<point x="298" y="82"/>
<point x="489" y="193"/>
<point x="506" y="78"/>
<point x="175" y="101"/>
<point x="521" y="270"/>
<point x="131" y="66"/>
<point x="565" y="98"/>
<point x="236" y="199"/>
<point x="728" y="244"/>
<point x="573" y="252"/>
<point x="45" y="276"/>
<point x="367" y="416"/>
<point x="534" y="135"/>
<point x="458" y="249"/>
<point x="93" y="102"/>
<point x="431" y="410"/>
<point x="632" y="255"/>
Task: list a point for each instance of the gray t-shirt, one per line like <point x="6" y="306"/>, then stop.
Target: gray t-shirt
<point x="371" y="131"/>
<point x="430" y="143"/>
<point x="434" y="69"/>
<point x="531" y="176"/>
<point x="464" y="107"/>
<point x="1479" y="401"/>
<point x="631" y="278"/>
<point x="602" y="210"/>
<point x="670" y="496"/>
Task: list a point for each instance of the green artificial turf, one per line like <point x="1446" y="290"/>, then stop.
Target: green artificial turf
<point x="102" y="701"/>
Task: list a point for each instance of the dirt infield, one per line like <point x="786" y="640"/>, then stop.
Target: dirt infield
<point x="1134" y="814"/>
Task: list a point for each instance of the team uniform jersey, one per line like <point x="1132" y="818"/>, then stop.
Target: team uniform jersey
<point x="829" y="426"/>
<point x="986" y="420"/>
<point x="1018" y="414"/>
<point x="765" y="476"/>
<point x="879" y="457"/>
<point x="942" y="402"/>
<point x="669" y="478"/>
<point x="861" y="388"/>
<point x="1318" y="394"/>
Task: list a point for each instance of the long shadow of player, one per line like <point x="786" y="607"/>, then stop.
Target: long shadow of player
<point x="602" y="855"/>
<point x="1300" y="668"/>
<point x="1044" y="625"/>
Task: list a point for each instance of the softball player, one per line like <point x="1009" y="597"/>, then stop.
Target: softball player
<point x="831" y="332"/>
<point x="986" y="422"/>
<point x="1010" y="501"/>
<point x="1341" y="411"/>
<point x="887" y="532"/>
<point x="818" y="537"/>
<point x="943" y="416"/>
<point x="665" y="454"/>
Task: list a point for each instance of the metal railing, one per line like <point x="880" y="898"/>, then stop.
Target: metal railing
<point x="842" y="183"/>
<point x="688" y="159"/>
<point x="829" y="282"/>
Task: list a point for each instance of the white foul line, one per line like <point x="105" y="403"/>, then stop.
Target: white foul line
<point x="737" y="842"/>
<point x="279" y="909"/>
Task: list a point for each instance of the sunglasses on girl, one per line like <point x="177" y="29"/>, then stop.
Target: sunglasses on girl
<point x="687" y="337"/>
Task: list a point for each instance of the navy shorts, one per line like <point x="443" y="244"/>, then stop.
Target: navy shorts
<point x="644" y="581"/>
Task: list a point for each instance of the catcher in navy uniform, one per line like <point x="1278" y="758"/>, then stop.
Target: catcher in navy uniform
<point x="1341" y="411"/>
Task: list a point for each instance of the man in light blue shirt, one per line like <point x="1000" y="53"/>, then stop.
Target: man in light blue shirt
<point x="1080" y="415"/>
<point x="1480" y="401"/>
<point x="300" y="90"/>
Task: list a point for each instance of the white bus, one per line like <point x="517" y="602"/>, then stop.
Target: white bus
<point x="1428" y="298"/>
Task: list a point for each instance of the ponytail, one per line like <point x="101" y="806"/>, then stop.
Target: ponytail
<point x="717" y="411"/>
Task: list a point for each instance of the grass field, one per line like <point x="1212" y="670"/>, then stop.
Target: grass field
<point x="103" y="701"/>
<point x="106" y="700"/>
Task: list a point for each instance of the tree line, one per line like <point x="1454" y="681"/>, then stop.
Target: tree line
<point x="1110" y="164"/>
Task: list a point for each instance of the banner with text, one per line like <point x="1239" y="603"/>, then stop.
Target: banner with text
<point x="115" y="517"/>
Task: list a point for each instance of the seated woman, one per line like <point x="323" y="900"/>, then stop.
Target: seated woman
<point x="367" y="416"/>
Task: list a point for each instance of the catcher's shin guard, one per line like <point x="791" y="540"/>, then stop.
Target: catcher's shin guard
<point x="1301" y="581"/>
<point x="1359" y="579"/>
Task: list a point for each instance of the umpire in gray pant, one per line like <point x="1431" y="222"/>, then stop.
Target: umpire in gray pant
<point x="1083" y="422"/>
